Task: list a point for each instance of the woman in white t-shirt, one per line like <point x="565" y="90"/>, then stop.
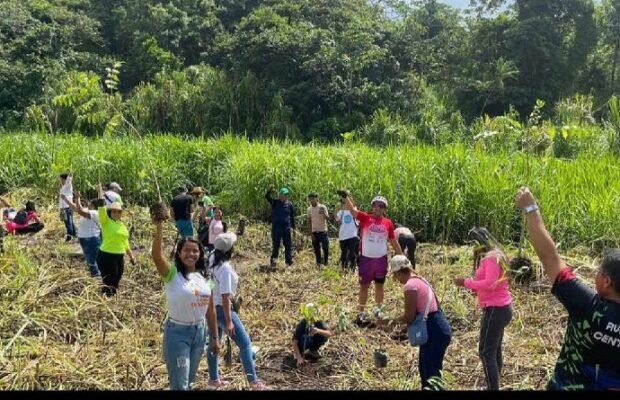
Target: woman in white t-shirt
<point x="89" y="230"/>
<point x="348" y="238"/>
<point x="189" y="299"/>
<point x="224" y="291"/>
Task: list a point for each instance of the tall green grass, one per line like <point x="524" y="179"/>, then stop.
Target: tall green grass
<point x="439" y="191"/>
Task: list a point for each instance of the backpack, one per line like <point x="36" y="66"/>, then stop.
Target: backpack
<point x="21" y="217"/>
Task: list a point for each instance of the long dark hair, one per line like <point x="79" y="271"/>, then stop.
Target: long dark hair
<point x="30" y="207"/>
<point x="219" y="257"/>
<point x="200" y="264"/>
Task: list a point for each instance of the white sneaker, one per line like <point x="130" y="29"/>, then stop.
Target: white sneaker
<point x="376" y="311"/>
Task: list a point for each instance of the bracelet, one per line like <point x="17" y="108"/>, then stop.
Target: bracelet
<point x="531" y="208"/>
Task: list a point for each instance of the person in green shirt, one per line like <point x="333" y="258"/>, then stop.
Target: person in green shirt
<point x="115" y="244"/>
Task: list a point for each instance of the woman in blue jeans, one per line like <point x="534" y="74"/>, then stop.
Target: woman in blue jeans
<point x="89" y="230"/>
<point x="225" y="289"/>
<point x="420" y="299"/>
<point x="188" y="295"/>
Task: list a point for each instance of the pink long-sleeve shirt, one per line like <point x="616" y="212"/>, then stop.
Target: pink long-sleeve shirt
<point x="490" y="285"/>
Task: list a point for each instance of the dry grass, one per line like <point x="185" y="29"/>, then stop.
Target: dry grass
<point x="58" y="332"/>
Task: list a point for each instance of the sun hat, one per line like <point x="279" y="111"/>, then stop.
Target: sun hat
<point x="197" y="190"/>
<point x="379" y="199"/>
<point x="116" y="186"/>
<point x="284" y="191"/>
<point x="225" y="241"/>
<point x="115" y="206"/>
<point x="399" y="262"/>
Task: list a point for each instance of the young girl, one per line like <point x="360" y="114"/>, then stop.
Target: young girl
<point x="417" y="292"/>
<point x="188" y="295"/>
<point x="216" y="226"/>
<point x="491" y="287"/>
<point x="226" y="281"/>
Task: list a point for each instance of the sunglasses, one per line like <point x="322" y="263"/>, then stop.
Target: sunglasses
<point x="377" y="204"/>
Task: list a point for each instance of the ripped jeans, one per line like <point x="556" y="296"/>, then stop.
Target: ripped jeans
<point x="183" y="347"/>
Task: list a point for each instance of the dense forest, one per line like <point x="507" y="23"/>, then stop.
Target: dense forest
<point x="322" y="70"/>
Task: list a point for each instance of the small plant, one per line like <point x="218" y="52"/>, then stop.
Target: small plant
<point x="310" y="312"/>
<point x="342" y="322"/>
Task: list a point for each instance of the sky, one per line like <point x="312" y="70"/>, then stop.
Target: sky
<point x="462" y="4"/>
<point x="457" y="3"/>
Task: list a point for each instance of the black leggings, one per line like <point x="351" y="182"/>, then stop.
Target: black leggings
<point x="32" y="228"/>
<point x="407" y="244"/>
<point x="348" y="253"/>
<point x="494" y="320"/>
<point x="111" y="267"/>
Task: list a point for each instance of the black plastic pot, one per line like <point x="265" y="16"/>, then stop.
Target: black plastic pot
<point x="381" y="358"/>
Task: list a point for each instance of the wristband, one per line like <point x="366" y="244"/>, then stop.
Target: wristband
<point x="531" y="208"/>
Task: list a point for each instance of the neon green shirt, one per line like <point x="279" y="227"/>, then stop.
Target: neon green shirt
<point x="115" y="234"/>
<point x="208" y="202"/>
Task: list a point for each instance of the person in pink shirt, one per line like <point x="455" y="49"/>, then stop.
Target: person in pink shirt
<point x="30" y="223"/>
<point x="376" y="231"/>
<point x="421" y="299"/>
<point x="217" y="226"/>
<point x="491" y="285"/>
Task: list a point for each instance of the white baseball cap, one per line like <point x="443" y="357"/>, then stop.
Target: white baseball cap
<point x="399" y="262"/>
<point x="380" y="199"/>
<point x="225" y="241"/>
<point x="116" y="186"/>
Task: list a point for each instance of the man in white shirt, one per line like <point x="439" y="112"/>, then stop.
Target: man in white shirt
<point x="66" y="213"/>
<point x="406" y="240"/>
<point x="112" y="195"/>
<point x="348" y="238"/>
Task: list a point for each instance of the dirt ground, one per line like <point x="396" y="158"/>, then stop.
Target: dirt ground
<point x="58" y="332"/>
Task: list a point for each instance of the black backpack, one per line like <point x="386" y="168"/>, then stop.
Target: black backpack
<point x="21" y="217"/>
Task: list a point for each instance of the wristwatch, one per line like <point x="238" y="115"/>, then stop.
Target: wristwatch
<point x="531" y="208"/>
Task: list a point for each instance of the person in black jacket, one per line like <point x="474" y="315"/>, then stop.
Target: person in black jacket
<point x="282" y="223"/>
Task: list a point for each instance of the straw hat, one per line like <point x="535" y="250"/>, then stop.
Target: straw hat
<point x="197" y="190"/>
<point x="115" y="206"/>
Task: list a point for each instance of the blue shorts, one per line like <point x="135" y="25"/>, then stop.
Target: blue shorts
<point x="185" y="227"/>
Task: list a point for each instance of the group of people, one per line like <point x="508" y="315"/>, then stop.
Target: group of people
<point x="590" y="355"/>
<point x="201" y="286"/>
<point x="101" y="232"/>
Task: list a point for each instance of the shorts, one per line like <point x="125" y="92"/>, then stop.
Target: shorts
<point x="373" y="269"/>
<point x="185" y="227"/>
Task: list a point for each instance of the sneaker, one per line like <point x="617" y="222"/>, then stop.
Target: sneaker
<point x="217" y="384"/>
<point x="378" y="313"/>
<point x="258" y="385"/>
<point x="68" y="238"/>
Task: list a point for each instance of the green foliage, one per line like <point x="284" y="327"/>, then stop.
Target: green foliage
<point x="204" y="100"/>
<point x="78" y="102"/>
<point x="614" y="121"/>
<point x="441" y="192"/>
<point x="311" y="70"/>
<point x="309" y="312"/>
